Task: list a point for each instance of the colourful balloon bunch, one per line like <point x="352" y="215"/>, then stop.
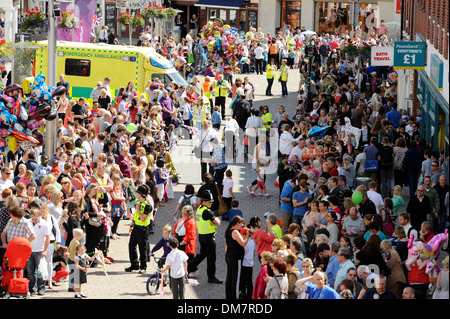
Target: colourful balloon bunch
<point x="22" y="117"/>
<point x="222" y="43"/>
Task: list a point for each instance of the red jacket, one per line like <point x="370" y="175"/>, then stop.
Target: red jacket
<point x="191" y="235"/>
<point x="260" y="284"/>
<point x="263" y="241"/>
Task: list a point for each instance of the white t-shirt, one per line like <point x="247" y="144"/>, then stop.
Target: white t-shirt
<point x="259" y="53"/>
<point x="41" y="230"/>
<point x="227" y="184"/>
<point x="376" y="199"/>
<point x="175" y="260"/>
<point x="97" y="148"/>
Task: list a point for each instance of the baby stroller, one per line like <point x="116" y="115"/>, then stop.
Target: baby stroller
<point x="16" y="256"/>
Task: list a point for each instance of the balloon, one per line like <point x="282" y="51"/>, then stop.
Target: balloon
<point x="216" y="34"/>
<point x="131" y="127"/>
<point x="226" y="27"/>
<point x="276" y="183"/>
<point x="58" y="186"/>
<point x="209" y="25"/>
<point x="357" y="197"/>
<point x="218" y="22"/>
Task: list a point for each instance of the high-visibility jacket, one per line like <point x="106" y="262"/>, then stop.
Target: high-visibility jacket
<point x="276" y="231"/>
<point x="267" y="117"/>
<point x="203" y="114"/>
<point x="204" y="227"/>
<point x="207" y="89"/>
<point x="101" y="182"/>
<point x="283" y="73"/>
<point x="270" y="71"/>
<point x="136" y="218"/>
<point x="290" y="43"/>
<point x="219" y="90"/>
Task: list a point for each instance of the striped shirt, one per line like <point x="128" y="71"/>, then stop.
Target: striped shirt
<point x="218" y="157"/>
<point x="23" y="228"/>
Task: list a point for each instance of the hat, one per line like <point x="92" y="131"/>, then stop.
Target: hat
<point x="143" y="190"/>
<point x="266" y="214"/>
<point x="244" y="230"/>
<point x="171" y="32"/>
<point x="207" y="196"/>
<point x="373" y="73"/>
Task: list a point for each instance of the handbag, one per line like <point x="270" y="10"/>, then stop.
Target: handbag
<point x="197" y="150"/>
<point x="246" y="141"/>
<point x="371" y="166"/>
<point x="94" y="221"/>
<point x="223" y="208"/>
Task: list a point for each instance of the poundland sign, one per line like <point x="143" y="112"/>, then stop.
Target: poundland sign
<point x="409" y="55"/>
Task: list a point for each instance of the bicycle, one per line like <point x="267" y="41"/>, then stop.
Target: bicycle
<point x="154" y="280"/>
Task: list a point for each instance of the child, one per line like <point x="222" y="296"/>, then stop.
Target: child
<point x="117" y="204"/>
<point x="81" y="269"/>
<point x="228" y="184"/>
<point x="77" y="236"/>
<point x="130" y="195"/>
<point x="176" y="122"/>
<point x="260" y="178"/>
<point x="177" y="263"/>
<point x="216" y="118"/>
<point x="245" y="282"/>
<point x="296" y="57"/>
<point x="233" y="211"/>
<point x="26" y="178"/>
<point x="55" y="167"/>
<point x="161" y="177"/>
<point x="107" y="223"/>
<point x="164" y="244"/>
<point x="60" y="265"/>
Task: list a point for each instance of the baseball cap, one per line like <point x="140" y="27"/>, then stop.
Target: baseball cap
<point x="266" y="214"/>
<point x="244" y="230"/>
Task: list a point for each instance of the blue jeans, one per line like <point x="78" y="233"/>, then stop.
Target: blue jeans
<point x="36" y="283"/>
<point x="284" y="91"/>
<point x="297" y="219"/>
<point x="386" y="181"/>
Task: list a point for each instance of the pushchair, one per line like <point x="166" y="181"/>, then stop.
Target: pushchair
<point x="14" y="262"/>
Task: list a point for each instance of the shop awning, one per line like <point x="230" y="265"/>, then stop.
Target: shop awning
<point x="220" y="4"/>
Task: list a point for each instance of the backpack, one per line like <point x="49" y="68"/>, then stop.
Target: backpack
<point x="185" y="201"/>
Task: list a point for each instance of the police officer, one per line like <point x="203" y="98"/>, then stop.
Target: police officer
<point x="207" y="223"/>
<point x="139" y="231"/>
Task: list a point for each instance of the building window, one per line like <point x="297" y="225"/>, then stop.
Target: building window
<point x="334" y="17"/>
<point x="290" y="14"/>
<point x="77" y="67"/>
<point x="212" y="14"/>
<point x="232" y="22"/>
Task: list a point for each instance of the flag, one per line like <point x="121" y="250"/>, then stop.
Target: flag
<point x="101" y="258"/>
<point x="161" y="293"/>
<point x="97" y="20"/>
<point x="192" y="130"/>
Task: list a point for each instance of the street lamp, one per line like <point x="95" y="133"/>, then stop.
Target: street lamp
<point x="310" y="51"/>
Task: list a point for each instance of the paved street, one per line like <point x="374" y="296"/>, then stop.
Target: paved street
<point x="122" y="285"/>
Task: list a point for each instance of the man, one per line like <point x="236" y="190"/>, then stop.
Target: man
<point x="218" y="163"/>
<point x="207" y="224"/>
<point x="297" y="247"/>
<point x="139" y="231"/>
<point x="332" y="169"/>
<point x="367" y="277"/>
<point x="352" y="275"/>
<point x="419" y="207"/>
<point x="259" y="59"/>
<point x="343" y="257"/>
<point x="435" y="173"/>
<point x="31" y="164"/>
<point x="316" y="287"/>
<point x="426" y="231"/>
<point x="442" y="189"/>
<point x="272" y="226"/>
<point x="106" y="122"/>
<point x="433" y="196"/>
<point x="403" y="221"/>
<point x="343" y="188"/>
<point x="366" y="206"/>
<point x="221" y="88"/>
<point x="78" y="112"/>
<point x="394" y="116"/>
<point x="193" y="25"/>
<point x="5" y="181"/>
<point x="409" y="293"/>
<point x="167" y="107"/>
<point x="375" y="197"/>
<point x="357" y="116"/>
<point x="300" y="200"/>
<point x="333" y="263"/>
<point x="206" y="135"/>
<point x="103" y="36"/>
<point x="105" y="84"/>
<point x="382" y="29"/>
<point x="324" y="51"/>
<point x="39" y="248"/>
<point x="371" y="155"/>
<point x="112" y="38"/>
<point x="298" y="151"/>
<point x="380" y="291"/>
<point x="287" y="208"/>
<point x="353" y="225"/>
<point x="63" y="82"/>
<point x="252" y="128"/>
<point x="278" y="117"/>
<point x="95" y="93"/>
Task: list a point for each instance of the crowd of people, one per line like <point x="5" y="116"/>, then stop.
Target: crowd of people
<point x="113" y="162"/>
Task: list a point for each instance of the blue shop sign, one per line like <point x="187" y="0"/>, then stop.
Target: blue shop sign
<point x="409" y="55"/>
<point x="437" y="72"/>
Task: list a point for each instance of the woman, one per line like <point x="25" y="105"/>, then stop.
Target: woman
<point x="292" y="274"/>
<point x="271" y="70"/>
<point x="332" y="227"/>
<point x="399" y="154"/>
<point x="68" y="189"/>
<point x="73" y="221"/>
<point x="279" y="248"/>
<point x="370" y="253"/>
<point x="168" y="160"/>
<point x="79" y="161"/>
<point x="396" y="280"/>
<point x="307" y="271"/>
<point x="55" y="237"/>
<point x="130" y="90"/>
<point x="249" y="90"/>
<point x="11" y="201"/>
<point x="92" y="211"/>
<point x="63" y="103"/>
<point x="387" y="216"/>
<point x="234" y="253"/>
<point x="260" y="282"/>
<point x="412" y="163"/>
<point x="259" y="155"/>
<point x="322" y="121"/>
<point x="104" y="100"/>
<point x="441" y="291"/>
<point x="308" y="224"/>
<point x="185" y="230"/>
<point x="55" y="204"/>
<point x="277" y="286"/>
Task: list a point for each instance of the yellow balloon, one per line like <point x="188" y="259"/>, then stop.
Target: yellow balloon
<point x="11" y="142"/>
<point x="237" y="70"/>
<point x="216" y="34"/>
<point x="226" y="27"/>
<point x="209" y="25"/>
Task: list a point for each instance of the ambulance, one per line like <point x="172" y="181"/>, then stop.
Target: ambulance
<point x="85" y="64"/>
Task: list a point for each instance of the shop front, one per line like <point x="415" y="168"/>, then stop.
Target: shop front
<point x="291" y="14"/>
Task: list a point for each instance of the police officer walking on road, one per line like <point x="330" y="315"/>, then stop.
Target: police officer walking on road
<point x="139" y="231"/>
<point x="207" y="223"/>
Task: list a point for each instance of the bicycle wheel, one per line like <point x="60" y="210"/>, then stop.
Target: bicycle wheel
<point x="153" y="284"/>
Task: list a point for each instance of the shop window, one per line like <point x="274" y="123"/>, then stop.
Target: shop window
<point x="243" y="21"/>
<point x="290" y="14"/>
<point x="77" y="67"/>
<point x="212" y="14"/>
<point x="232" y="22"/>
